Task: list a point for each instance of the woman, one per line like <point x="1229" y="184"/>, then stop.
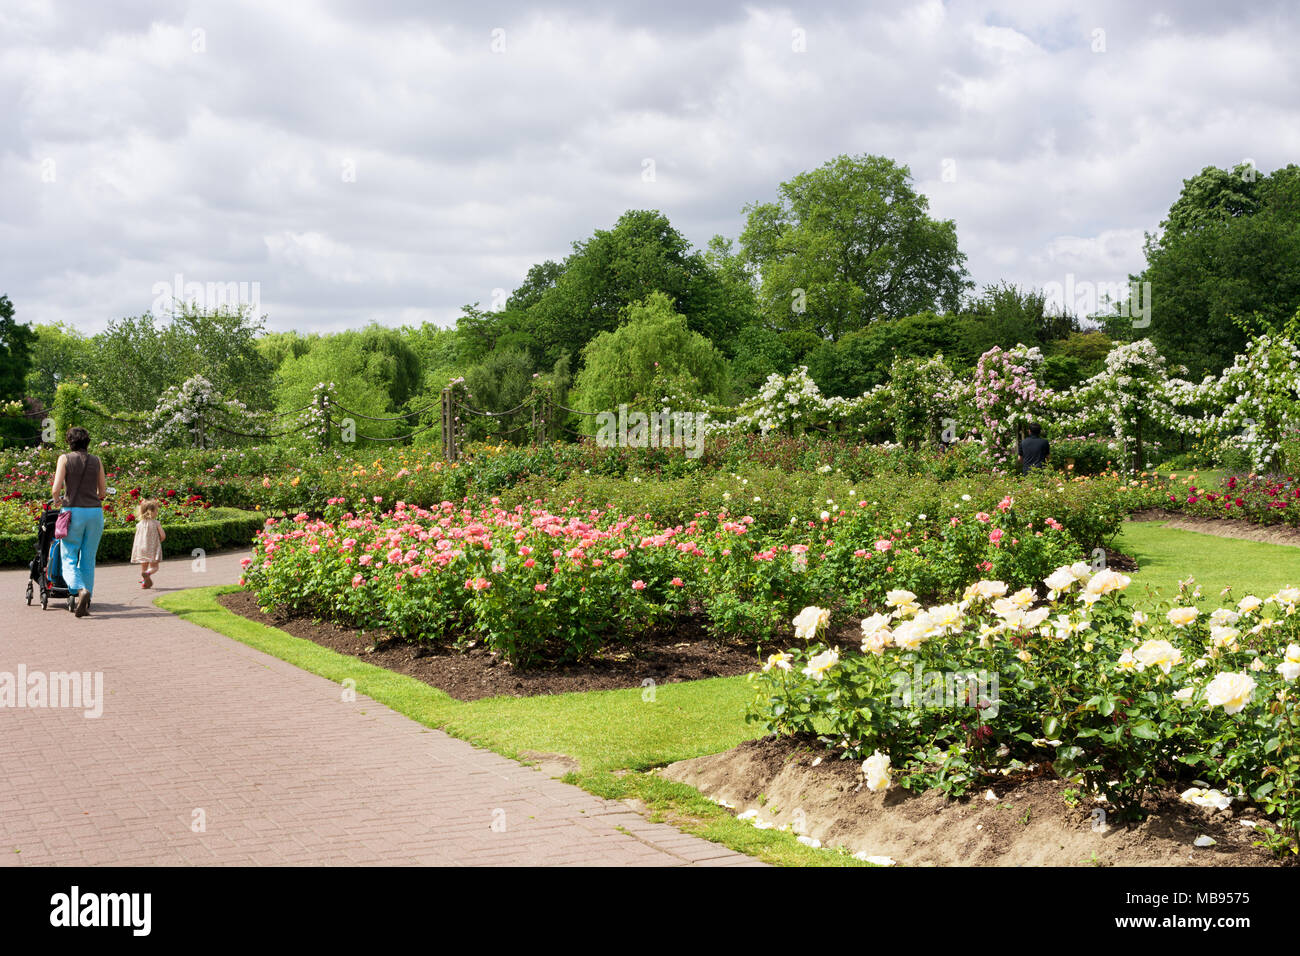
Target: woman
<point x="83" y="475"/>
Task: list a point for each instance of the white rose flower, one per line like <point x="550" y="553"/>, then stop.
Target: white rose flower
<point x="1231" y="691"/>
<point x="899" y="597"/>
<point x="1023" y="599"/>
<point x="1108" y="582"/>
<point x="821" y="663"/>
<point x="1223" y="636"/>
<point x="1200" y="797"/>
<point x="1034" y="618"/>
<point x="779" y="660"/>
<point x="1060" y="580"/>
<point x="874" y="623"/>
<point x="877" y="641"/>
<point x="945" y="618"/>
<point x="911" y="634"/>
<point x="1160" y="654"/>
<point x="876" y="769"/>
<point x="809" y="621"/>
<point x="985" y="590"/>
<point x="1224" y="617"/>
<point x="1290" y="666"/>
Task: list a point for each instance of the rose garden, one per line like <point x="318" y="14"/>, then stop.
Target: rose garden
<point x="741" y="534"/>
<point x="819" y="548"/>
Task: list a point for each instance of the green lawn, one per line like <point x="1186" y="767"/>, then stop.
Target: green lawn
<point x="614" y="734"/>
<point x="1167" y="555"/>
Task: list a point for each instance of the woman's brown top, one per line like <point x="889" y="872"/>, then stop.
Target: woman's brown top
<point x="81" y="478"/>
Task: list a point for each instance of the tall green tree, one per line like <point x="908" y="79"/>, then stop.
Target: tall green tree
<point x="1006" y="315"/>
<point x="15" y="352"/>
<point x="561" y="307"/>
<point x="760" y="352"/>
<point x="137" y="358"/>
<point x="59" y="354"/>
<point x="653" y="346"/>
<point x="500" y="383"/>
<point x="1229" y="250"/>
<point x="362" y="380"/>
<point x="848" y="244"/>
<point x="276" y="347"/>
<point x="16" y="342"/>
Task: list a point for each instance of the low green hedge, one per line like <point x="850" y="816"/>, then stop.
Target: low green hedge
<point x="228" y="527"/>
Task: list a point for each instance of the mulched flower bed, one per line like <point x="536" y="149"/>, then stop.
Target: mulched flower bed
<point x="683" y="654"/>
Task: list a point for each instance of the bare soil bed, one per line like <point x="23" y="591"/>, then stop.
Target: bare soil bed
<point x="1029" y="823"/>
<point x="686" y="653"/>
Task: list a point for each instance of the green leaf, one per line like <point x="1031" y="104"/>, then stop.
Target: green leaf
<point x="1145" y="730"/>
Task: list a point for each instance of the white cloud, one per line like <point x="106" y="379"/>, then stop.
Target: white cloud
<point x="377" y="161"/>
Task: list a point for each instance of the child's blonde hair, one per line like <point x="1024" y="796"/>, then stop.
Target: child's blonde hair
<point x="148" y="509"/>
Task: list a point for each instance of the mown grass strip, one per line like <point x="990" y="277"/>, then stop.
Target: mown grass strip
<point x="1167" y="555"/>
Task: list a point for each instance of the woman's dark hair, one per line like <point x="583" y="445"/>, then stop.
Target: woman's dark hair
<point x="78" y="438"/>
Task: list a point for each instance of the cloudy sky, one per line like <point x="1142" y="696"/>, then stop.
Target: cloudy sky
<point x="395" y="160"/>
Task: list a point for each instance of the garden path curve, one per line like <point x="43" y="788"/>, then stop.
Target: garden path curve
<point x="198" y="728"/>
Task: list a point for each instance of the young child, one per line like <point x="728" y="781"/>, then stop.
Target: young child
<point x="149" y="536"/>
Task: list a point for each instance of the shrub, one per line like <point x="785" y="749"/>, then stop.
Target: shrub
<point x="952" y="695"/>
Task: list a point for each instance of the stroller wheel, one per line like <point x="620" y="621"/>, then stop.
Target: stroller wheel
<point x="45" y="600"/>
<point x="72" y="602"/>
<point x="29" y="593"/>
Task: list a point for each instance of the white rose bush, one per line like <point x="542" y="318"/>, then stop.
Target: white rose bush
<point x="1003" y="682"/>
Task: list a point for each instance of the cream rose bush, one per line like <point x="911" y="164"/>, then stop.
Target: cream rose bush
<point x="951" y="695"/>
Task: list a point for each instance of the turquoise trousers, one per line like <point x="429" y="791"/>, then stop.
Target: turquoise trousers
<point x="85" y="528"/>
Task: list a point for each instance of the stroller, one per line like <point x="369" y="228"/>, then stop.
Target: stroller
<point x="47" y="567"/>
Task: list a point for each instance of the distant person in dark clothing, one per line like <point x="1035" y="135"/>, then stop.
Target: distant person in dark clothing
<point x="1034" y="450"/>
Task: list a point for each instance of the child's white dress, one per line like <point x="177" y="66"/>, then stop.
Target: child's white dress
<point x="147" y="547"/>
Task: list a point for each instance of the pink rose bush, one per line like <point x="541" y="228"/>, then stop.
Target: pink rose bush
<point x="538" y="585"/>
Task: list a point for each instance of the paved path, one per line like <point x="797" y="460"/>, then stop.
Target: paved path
<point x="209" y="752"/>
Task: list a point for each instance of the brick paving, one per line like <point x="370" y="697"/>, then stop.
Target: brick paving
<point x="210" y="752"/>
